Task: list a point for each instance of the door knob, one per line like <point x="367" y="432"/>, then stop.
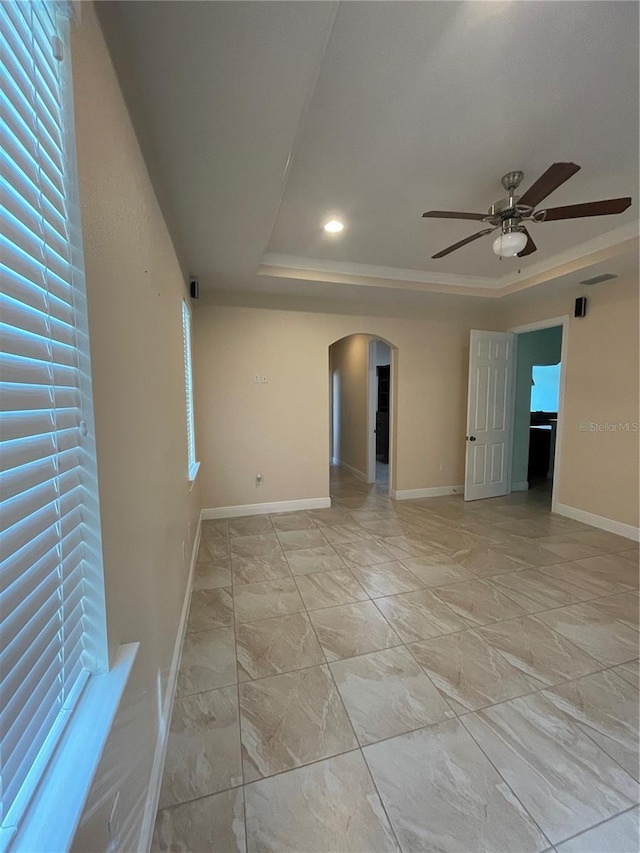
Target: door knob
<point x="471" y="438"/>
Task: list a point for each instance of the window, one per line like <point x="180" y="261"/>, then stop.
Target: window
<point x="52" y="632"/>
<point x="192" y="465"/>
<point x="545" y="388"/>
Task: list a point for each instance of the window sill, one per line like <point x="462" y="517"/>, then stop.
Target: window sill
<point x="55" y="811"/>
<point x="193" y="473"/>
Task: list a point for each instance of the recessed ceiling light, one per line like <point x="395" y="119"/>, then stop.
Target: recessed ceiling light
<point x="334" y="226"/>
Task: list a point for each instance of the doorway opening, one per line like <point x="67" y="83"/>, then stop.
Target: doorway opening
<point x="361" y="406"/>
<point x="537" y="408"/>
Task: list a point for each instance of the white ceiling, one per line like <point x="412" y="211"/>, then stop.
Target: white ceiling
<point x="261" y="120"/>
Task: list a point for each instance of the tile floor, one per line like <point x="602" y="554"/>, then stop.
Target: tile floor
<point x="422" y="675"/>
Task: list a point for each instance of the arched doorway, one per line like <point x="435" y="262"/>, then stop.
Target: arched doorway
<point x="362" y="394"/>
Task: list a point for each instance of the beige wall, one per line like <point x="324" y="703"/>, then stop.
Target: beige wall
<point x="598" y="471"/>
<point x="135" y="289"/>
<point x="281" y="429"/>
<point x="349" y="360"/>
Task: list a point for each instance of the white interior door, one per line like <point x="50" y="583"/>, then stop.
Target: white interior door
<point x="489" y="415"/>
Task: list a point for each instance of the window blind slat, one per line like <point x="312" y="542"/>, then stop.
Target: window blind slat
<point x="45" y="466"/>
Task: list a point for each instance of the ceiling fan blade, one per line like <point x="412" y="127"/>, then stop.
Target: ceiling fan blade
<point x="554" y="177"/>
<point x="530" y="248"/>
<point x="589" y="208"/>
<point x="462" y="243"/>
<point x="452" y="214"/>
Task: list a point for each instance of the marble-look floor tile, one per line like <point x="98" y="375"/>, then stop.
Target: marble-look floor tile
<point x="203" y="752"/>
<point x="418" y="615"/>
<point x="565" y="781"/>
<point x="437" y="570"/>
<point x="386" y="693"/>
<point x="210" y="823"/>
<point x="384" y="529"/>
<point x="352" y="629"/>
<point x="214" y="529"/>
<point x="595" y="632"/>
<point x="625" y="607"/>
<point x="442" y="794"/>
<point x="411" y="545"/>
<point x="210" y="608"/>
<point x="327" y="517"/>
<point x="252" y="525"/>
<point x="612" y="568"/>
<point x="568" y="547"/>
<point x="213" y="550"/>
<point x="602" y="539"/>
<point x="573" y="577"/>
<point x="208" y="661"/>
<point x="543" y="655"/>
<point x="291" y="719"/>
<point x="343" y="534"/>
<point x="534" y="591"/>
<point x="272" y="646"/>
<point x="264" y="567"/>
<point x="211" y="575"/>
<point x="478" y="602"/>
<point x="253" y="546"/>
<point x="527" y="552"/>
<point x="620" y="834"/>
<point x="469" y="672"/>
<point x="292" y="521"/>
<point x="328" y="807"/>
<point x="605" y="707"/>
<point x="295" y="540"/>
<point x="261" y="600"/>
<point x="328" y="589"/>
<point x="308" y="560"/>
<point x="630" y="672"/>
<point x="486" y="561"/>
<point x="632" y="555"/>
<point x="365" y="553"/>
<point x="386" y="579"/>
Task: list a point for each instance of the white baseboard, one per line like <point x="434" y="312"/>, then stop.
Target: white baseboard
<point x="521" y="486"/>
<point x="155" y="782"/>
<point x="264" y="509"/>
<point x="608" y="524"/>
<point x="355" y="471"/>
<point x="431" y="492"/>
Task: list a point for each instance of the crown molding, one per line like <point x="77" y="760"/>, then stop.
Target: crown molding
<point x="616" y="242"/>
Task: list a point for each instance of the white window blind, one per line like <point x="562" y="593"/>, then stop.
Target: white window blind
<point x="188" y="383"/>
<point x="51" y="596"/>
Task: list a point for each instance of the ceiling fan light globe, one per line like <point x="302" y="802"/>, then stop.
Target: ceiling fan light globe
<point x="508" y="245"/>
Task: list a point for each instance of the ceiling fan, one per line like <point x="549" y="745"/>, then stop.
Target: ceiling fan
<point x="509" y="214"/>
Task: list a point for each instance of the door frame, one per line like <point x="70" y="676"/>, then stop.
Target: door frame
<point x="371" y="410"/>
<point x="550" y="323"/>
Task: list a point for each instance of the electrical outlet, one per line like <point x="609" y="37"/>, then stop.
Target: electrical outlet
<point x="114" y="825"/>
<point x="442" y="466"/>
<point x="256" y="378"/>
<point x="264" y="379"/>
<point x="259" y="479"/>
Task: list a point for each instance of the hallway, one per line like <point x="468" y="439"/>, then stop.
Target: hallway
<point x="416" y="675"/>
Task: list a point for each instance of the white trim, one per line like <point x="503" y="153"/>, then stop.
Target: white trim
<point x="155" y="782"/>
<point x="361" y="475"/>
<point x="264" y="509"/>
<point x="371" y="411"/>
<point x="335" y="460"/>
<point x="430" y="492"/>
<point x="551" y="323"/>
<point x="611" y="243"/>
<point x="608" y="524"/>
<point x="55" y="811"/>
<point x="193" y="473"/>
<point x="522" y="486"/>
